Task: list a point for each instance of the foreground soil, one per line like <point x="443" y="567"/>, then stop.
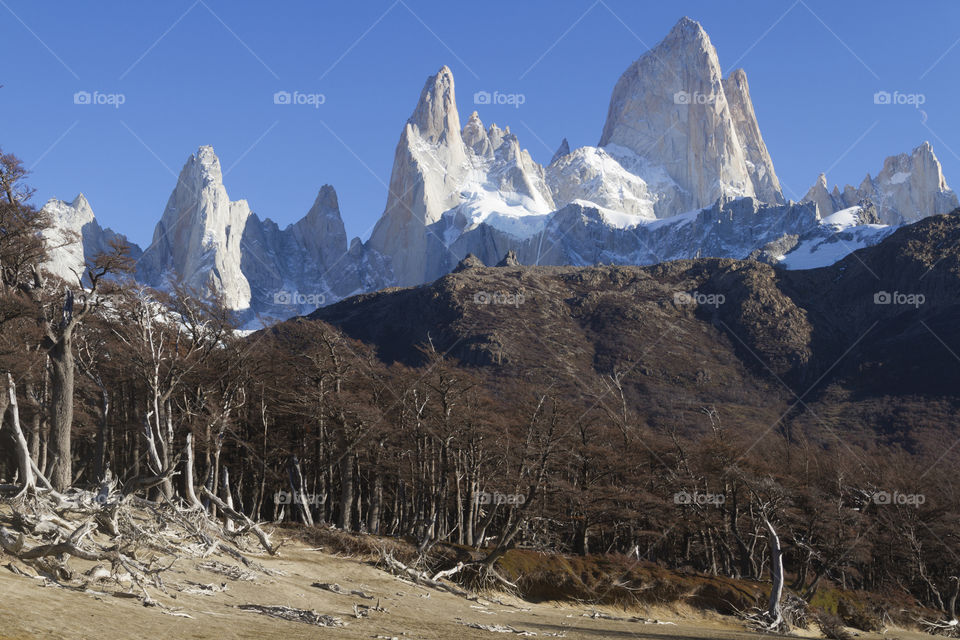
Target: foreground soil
<point x="33" y="608"/>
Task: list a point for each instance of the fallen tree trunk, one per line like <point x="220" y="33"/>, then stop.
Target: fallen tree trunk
<point x="236" y="515"/>
<point x="420" y="577"/>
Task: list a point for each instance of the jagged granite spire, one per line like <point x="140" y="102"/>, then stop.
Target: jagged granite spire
<point x="198" y="238"/>
<point x="428" y="167"/>
<point x="562" y="150"/>
<point x="75" y="237"/>
<point x="670" y="107"/>
<point x="446" y="180"/>
<point x="766" y="185"/>
<point x="909" y="187"/>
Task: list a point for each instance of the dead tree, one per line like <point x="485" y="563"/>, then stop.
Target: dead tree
<point x="23" y="452"/>
<point x="188" y="468"/>
<point x="774" y="612"/>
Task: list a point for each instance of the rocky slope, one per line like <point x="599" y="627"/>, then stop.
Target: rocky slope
<point x="860" y="323"/>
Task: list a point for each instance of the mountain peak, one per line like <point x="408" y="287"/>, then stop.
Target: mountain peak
<point x="327" y="198"/>
<point x="738" y="75"/>
<point x="924" y="149"/>
<point x="436" y="113"/>
<point x="562" y="150"/>
<point x="908" y="187"/>
<point x="207" y="157"/>
<point x="672" y="107"/>
<point x="80" y="202"/>
<point x="687" y="30"/>
<point x="200" y="227"/>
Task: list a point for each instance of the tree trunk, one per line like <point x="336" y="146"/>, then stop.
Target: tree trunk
<point x="23" y="452"/>
<point x="345" y="521"/>
<point x="188" y="490"/>
<point x="100" y="455"/>
<point x="376" y="502"/>
<point x="61" y="411"/>
<point x="776" y="575"/>
<point x="299" y="496"/>
<point x="227" y="497"/>
<point x="581" y="544"/>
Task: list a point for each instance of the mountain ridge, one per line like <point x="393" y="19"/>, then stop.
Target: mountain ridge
<point x="691" y="178"/>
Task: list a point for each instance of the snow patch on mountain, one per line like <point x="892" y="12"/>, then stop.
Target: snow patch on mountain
<point x="837" y="235"/>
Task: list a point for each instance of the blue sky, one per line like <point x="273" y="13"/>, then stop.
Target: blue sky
<point x="195" y="72"/>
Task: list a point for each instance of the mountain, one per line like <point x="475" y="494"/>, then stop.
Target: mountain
<point x="681" y="144"/>
<point x="681" y="171"/>
<point x="462" y="178"/>
<point x="673" y="107"/>
<point x="198" y="238"/>
<point x="309" y="263"/>
<point x="696" y="329"/>
<point x="908" y="188"/>
<point x="75" y="237"/>
<point x="210" y="243"/>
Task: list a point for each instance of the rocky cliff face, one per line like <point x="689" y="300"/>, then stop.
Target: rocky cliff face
<point x="75" y="237"/>
<point x="472" y="175"/>
<point x="909" y="187"/>
<point x="766" y="186"/>
<point x="671" y="107"/>
<point x="198" y="238"/>
<point x="210" y="243"/>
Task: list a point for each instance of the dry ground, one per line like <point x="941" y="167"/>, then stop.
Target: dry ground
<point x="29" y="609"/>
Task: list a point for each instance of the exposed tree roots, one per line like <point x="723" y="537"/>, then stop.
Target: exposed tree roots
<point x="132" y="541"/>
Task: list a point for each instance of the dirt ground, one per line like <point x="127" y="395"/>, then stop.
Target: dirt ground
<point x="29" y="609"/>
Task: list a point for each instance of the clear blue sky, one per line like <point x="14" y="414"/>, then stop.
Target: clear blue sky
<point x="197" y="72"/>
